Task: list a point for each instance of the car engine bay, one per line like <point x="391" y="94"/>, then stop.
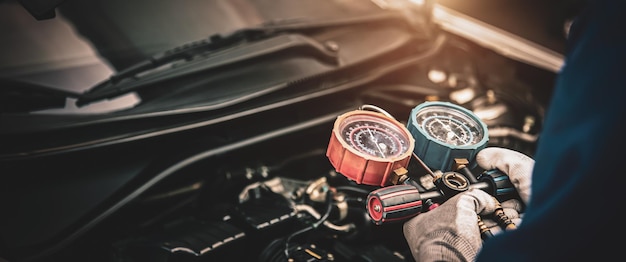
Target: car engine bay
<point x="214" y="180"/>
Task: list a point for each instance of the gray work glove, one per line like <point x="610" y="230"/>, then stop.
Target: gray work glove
<point x="450" y="232"/>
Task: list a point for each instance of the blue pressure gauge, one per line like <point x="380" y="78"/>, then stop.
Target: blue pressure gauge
<point x="444" y="131"/>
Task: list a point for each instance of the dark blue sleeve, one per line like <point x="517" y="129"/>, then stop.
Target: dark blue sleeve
<point x="579" y="178"/>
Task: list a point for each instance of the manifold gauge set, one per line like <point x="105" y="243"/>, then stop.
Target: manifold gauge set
<point x="371" y="147"/>
<point x="368" y="146"/>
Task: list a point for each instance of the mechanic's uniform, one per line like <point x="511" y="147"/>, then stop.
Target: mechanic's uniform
<point x="579" y="183"/>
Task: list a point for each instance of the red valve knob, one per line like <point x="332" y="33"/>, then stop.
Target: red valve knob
<point x="394" y="203"/>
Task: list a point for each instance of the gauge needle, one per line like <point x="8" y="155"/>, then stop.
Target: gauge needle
<point x="450" y="133"/>
<point x="376" y="142"/>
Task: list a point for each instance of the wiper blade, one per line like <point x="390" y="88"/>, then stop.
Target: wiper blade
<point x="243" y="44"/>
<point x="297" y="44"/>
<point x="187" y="51"/>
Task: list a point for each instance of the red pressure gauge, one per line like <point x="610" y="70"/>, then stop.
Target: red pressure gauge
<point x="367" y="146"/>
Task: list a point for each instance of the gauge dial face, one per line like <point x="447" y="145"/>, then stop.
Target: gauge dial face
<point x="449" y="125"/>
<point x="367" y="147"/>
<point x="374" y="136"/>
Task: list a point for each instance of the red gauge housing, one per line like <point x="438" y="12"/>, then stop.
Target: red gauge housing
<point x="390" y="147"/>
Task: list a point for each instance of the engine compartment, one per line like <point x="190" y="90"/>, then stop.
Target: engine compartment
<point x="279" y="194"/>
<point x="259" y="187"/>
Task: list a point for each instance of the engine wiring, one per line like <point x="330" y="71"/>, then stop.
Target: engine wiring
<point x="315" y="225"/>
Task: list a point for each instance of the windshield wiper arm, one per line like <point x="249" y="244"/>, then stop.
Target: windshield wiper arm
<point x="186" y="51"/>
<point x="134" y="77"/>
<point x="287" y="44"/>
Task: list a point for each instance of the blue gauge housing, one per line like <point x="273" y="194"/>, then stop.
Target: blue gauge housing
<point x="444" y="131"/>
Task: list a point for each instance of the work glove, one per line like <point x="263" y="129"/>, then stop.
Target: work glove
<point x="450" y="232"/>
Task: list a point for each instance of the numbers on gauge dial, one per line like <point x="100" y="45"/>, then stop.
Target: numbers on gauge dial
<point x="374" y="137"/>
<point x="450" y="126"/>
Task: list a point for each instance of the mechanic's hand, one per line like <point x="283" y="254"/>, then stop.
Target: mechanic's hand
<point x="519" y="168"/>
<point x="450" y="232"/>
<point x="516" y="165"/>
